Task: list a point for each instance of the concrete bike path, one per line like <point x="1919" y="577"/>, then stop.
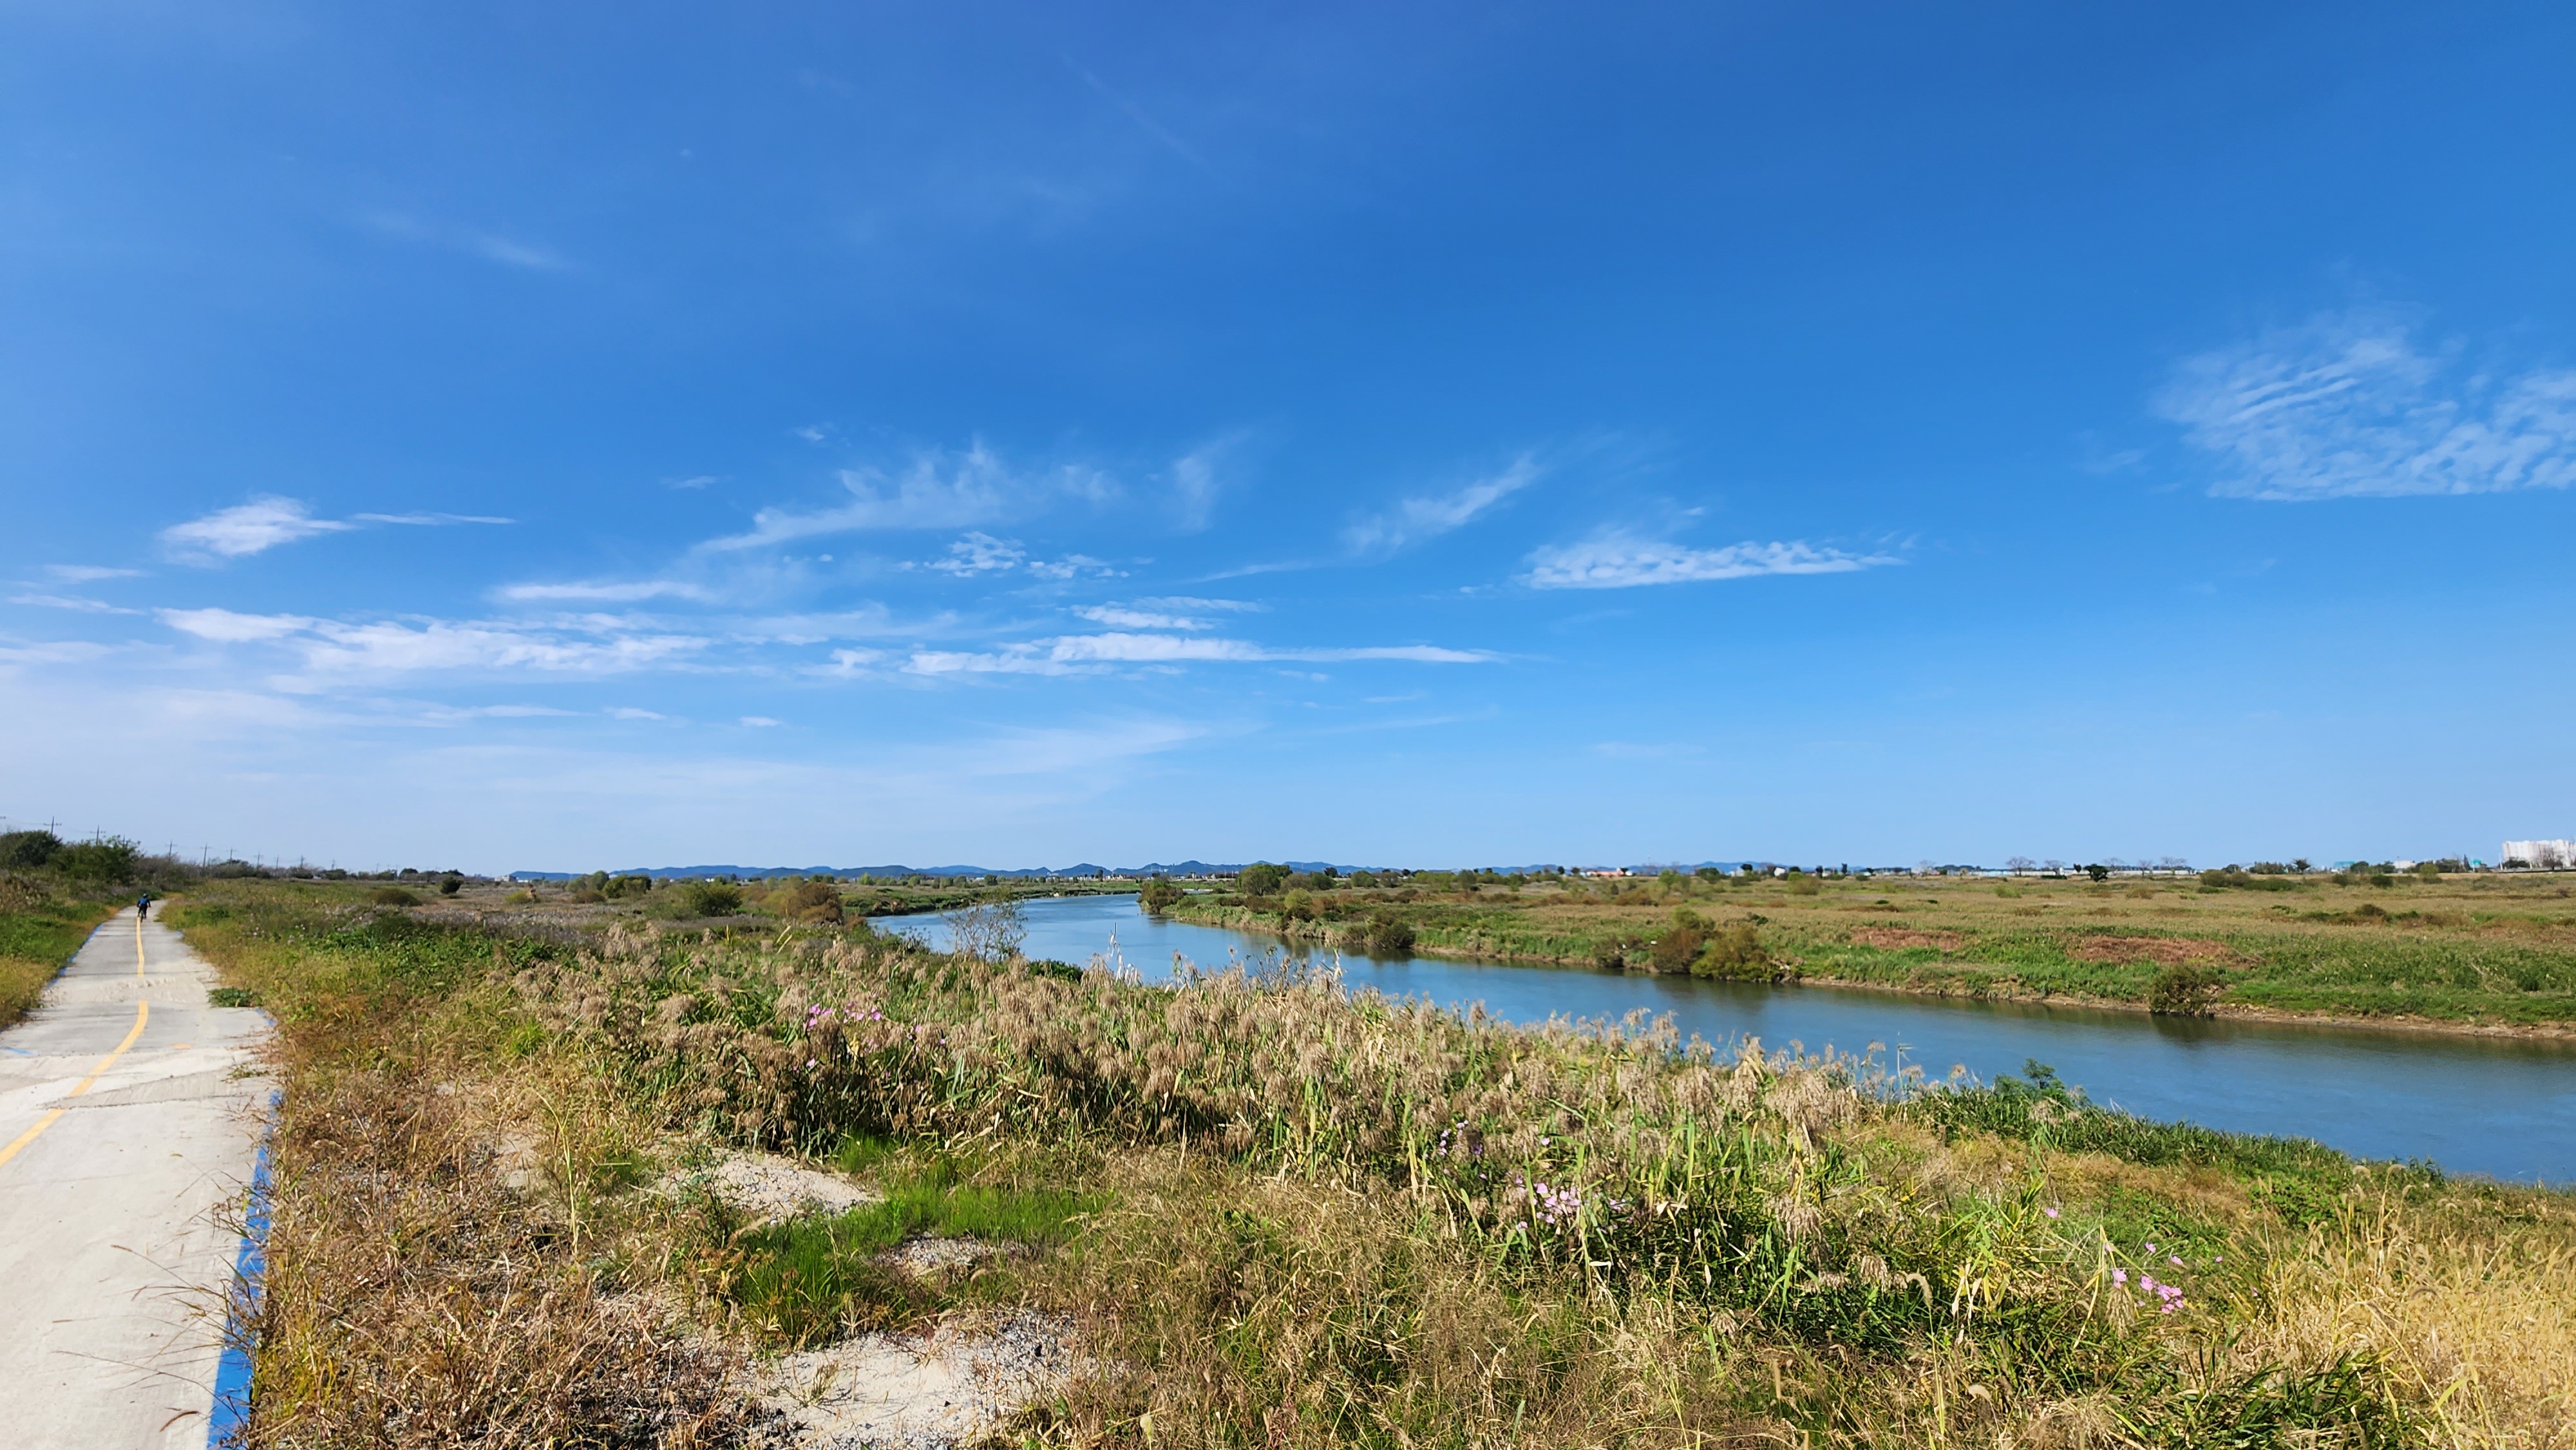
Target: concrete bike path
<point x="129" y="1121"/>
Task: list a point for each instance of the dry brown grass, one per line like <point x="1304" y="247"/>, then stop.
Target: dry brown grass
<point x="1897" y="939"/>
<point x="2169" y="951"/>
<point x="2473" y="1317"/>
<point x="416" y="1301"/>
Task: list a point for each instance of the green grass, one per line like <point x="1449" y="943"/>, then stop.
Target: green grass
<point x="2492" y="951"/>
<point x="812" y="1279"/>
<point x="35" y="941"/>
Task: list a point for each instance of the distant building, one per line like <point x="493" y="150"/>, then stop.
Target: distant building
<point x="2541" y="855"/>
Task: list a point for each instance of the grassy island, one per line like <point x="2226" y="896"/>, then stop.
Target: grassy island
<point x="1277" y="1214"/>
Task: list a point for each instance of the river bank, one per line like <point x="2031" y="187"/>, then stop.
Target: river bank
<point x="1281" y="1206"/>
<point x="2480" y="957"/>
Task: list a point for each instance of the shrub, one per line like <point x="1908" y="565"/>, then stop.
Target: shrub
<point x="991" y="932"/>
<point x="2184" y="991"/>
<point x="817" y="901"/>
<point x="1261" y="879"/>
<point x="99" y="862"/>
<point x="450" y="884"/>
<point x="1389" y="935"/>
<point x="710" y="898"/>
<point x="1679" y="946"/>
<point x="1159" y="896"/>
<point x="1734" y="953"/>
<point x="28" y="850"/>
<point x="393" y="896"/>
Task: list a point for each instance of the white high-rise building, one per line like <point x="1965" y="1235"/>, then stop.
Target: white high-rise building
<point x="2541" y="855"/>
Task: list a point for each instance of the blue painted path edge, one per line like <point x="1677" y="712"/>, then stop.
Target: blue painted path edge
<point x="230" y="1420"/>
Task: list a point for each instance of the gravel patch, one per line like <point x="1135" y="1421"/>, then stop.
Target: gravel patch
<point x="952" y="1386"/>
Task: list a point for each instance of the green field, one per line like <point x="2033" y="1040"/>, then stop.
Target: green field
<point x="2485" y="950"/>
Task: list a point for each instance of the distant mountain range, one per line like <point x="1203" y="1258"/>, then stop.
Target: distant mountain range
<point x="1162" y="868"/>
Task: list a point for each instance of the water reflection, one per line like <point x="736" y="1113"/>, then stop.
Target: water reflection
<point x="2504" y="1107"/>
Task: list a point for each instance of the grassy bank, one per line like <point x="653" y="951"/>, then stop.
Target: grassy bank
<point x="1285" y="1216"/>
<point x="2490" y="951"/>
<point x="40" y="928"/>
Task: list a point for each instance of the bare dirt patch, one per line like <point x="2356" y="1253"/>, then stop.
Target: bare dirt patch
<point x="2168" y="951"/>
<point x="1897" y="939"/>
<point x="766" y="1188"/>
<point x="934" y="1257"/>
<point x="955" y="1385"/>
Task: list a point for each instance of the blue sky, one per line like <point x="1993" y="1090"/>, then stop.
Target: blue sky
<point x="592" y="435"/>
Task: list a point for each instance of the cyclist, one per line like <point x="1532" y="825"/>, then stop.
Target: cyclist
<point x="143" y="905"/>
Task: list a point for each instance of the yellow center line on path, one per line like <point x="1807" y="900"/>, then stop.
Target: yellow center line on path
<point x="142" y="1014"/>
<point x="138" y="955"/>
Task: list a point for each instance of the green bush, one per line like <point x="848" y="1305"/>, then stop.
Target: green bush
<point x="2184" y="991"/>
<point x="1680" y="943"/>
<point x="1389" y="935"/>
<point x="816" y="901"/>
<point x="709" y="898"/>
<point x="100" y="862"/>
<point x="29" y="850"/>
<point x="1261" y="878"/>
<point x="393" y="896"/>
<point x="1734" y="953"/>
<point x="1160" y="895"/>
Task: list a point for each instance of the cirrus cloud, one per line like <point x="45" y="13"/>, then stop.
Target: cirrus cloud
<point x="2347" y="405"/>
<point x="1426" y="516"/>
<point x="1086" y="653"/>
<point x="1624" y="561"/>
<point x="268" y="521"/>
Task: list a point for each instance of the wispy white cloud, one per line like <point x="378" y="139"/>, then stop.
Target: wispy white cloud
<point x="1083" y="653"/>
<point x="629" y="712"/>
<point x="428" y="521"/>
<point x="759" y="722"/>
<point x="329" y="647"/>
<point x="1196" y="605"/>
<point x="472" y="241"/>
<point x="249" y="528"/>
<point x="89" y="573"/>
<point x="72" y="602"/>
<point x="1196" y="484"/>
<point x="940" y="489"/>
<point x="1427" y="516"/>
<point x="1120" y="617"/>
<point x="223" y="626"/>
<point x="268" y="521"/>
<point x="2347" y="406"/>
<point x="981" y="553"/>
<point x="1144" y="122"/>
<point x="698" y="480"/>
<point x="605" y="591"/>
<point x="497" y="712"/>
<point x="1623" y="561"/>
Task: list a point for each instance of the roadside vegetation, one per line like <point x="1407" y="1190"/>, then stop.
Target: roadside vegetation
<point x="53" y="893"/>
<point x="1282" y="1214"/>
<point x="2490" y="950"/>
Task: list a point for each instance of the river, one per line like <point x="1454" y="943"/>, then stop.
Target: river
<point x="2500" y="1107"/>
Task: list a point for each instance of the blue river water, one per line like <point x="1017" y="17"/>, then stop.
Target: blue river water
<point x="2500" y="1107"/>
